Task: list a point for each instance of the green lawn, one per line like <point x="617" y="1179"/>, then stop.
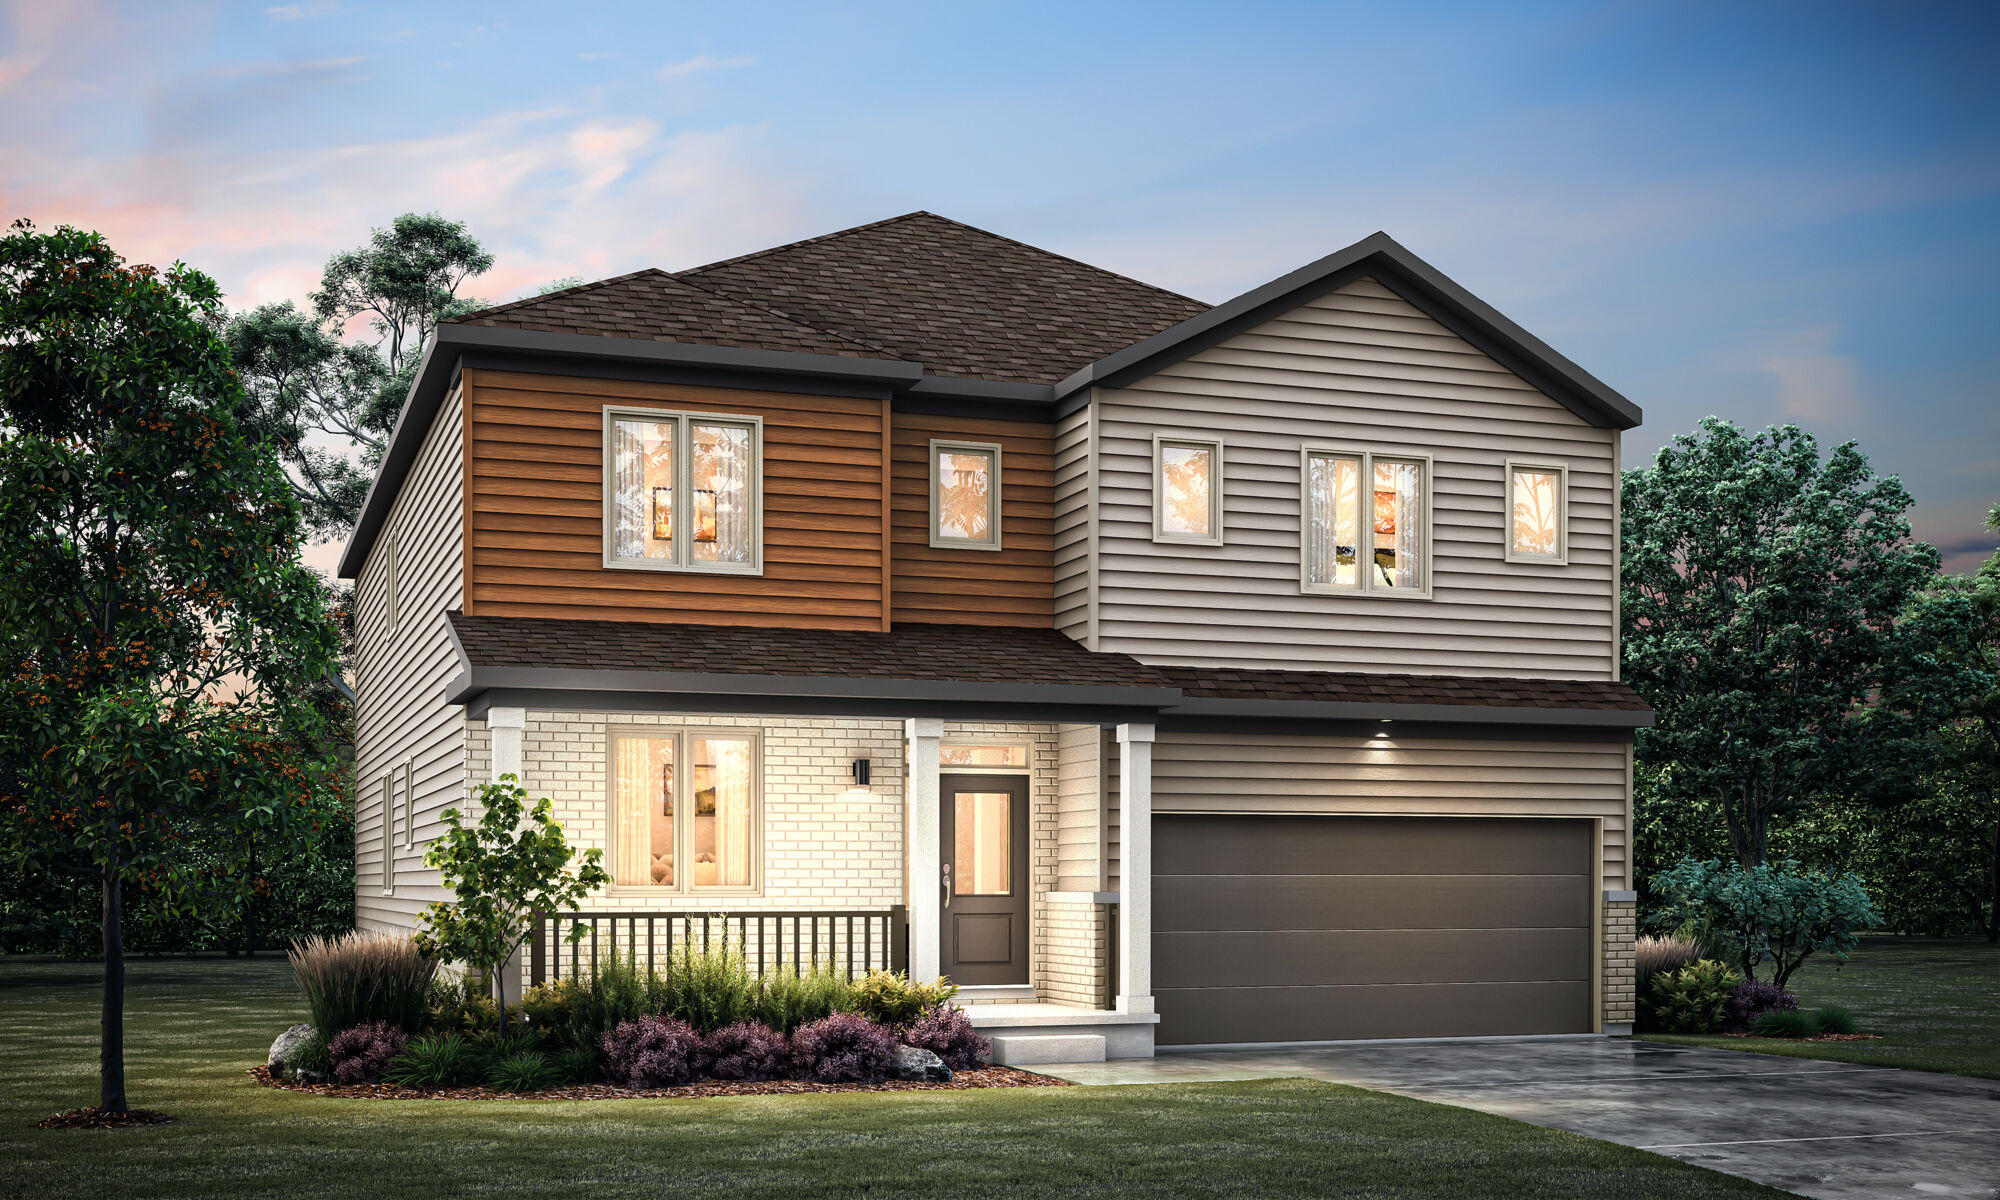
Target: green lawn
<point x="1936" y="1001"/>
<point x="195" y="1027"/>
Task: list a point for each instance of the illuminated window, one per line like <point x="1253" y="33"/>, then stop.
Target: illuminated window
<point x="685" y="811"/>
<point x="1187" y="491"/>
<point x="983" y="756"/>
<point x="1537" y="527"/>
<point x="965" y="495"/>
<point x="1365" y="539"/>
<point x="682" y="491"/>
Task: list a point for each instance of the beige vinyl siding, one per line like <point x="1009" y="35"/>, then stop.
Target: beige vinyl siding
<point x="1358" y="368"/>
<point x="1081" y="829"/>
<point x="1074" y="524"/>
<point x="400" y="679"/>
<point x="1288" y="773"/>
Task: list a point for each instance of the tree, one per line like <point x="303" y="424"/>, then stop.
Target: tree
<point x="158" y="636"/>
<point x="304" y="382"/>
<point x="1761" y="591"/>
<point x="504" y="877"/>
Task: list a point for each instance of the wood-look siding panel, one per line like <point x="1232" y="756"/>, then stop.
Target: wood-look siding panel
<point x="535" y="474"/>
<point x="1359" y="368"/>
<point x="1014" y="585"/>
<point x="1293" y="773"/>
<point x="400" y="677"/>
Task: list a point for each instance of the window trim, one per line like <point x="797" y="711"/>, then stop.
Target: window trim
<point x="1561" y="471"/>
<point x="388" y="831"/>
<point x="1366" y="587"/>
<point x="976" y="741"/>
<point x="994" y="498"/>
<point x="409" y="804"/>
<point x="683" y="884"/>
<point x="682" y="561"/>
<point x="1214" y="446"/>
<point x="392" y="570"/>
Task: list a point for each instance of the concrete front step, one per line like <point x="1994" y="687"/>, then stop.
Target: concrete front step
<point x="1030" y="1049"/>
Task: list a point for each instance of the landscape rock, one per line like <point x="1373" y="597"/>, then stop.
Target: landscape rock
<point x="287" y="1048"/>
<point x="920" y="1066"/>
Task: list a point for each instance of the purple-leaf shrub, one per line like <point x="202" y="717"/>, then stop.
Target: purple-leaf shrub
<point x="844" y="1048"/>
<point x="947" y="1032"/>
<point x="362" y="1053"/>
<point x="745" y="1050"/>
<point x="652" y="1052"/>
<point x="1752" y="999"/>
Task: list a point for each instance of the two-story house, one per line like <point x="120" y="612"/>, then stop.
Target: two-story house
<point x="1165" y="674"/>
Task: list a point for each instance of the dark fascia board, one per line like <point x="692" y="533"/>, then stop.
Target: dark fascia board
<point x="471" y="681"/>
<point x="1376" y="712"/>
<point x="940" y="395"/>
<point x="567" y="700"/>
<point x="1402" y="728"/>
<point x="1382" y="258"/>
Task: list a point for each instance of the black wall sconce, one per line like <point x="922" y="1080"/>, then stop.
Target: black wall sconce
<point x="860" y="772"/>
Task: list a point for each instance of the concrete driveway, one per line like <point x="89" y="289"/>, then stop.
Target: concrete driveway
<point x="1824" y="1129"/>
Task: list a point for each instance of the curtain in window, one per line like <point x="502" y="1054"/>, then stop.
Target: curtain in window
<point x="1333" y="518"/>
<point x="1398" y="516"/>
<point x="644" y="841"/>
<point x="1537" y="513"/>
<point x="1185" y="479"/>
<point x="965" y="495"/>
<point x="723" y="786"/>
<point x="643" y="477"/>
<point x="723" y="499"/>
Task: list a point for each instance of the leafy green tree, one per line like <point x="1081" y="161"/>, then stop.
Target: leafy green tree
<point x="1762" y="586"/>
<point x="159" y="638"/>
<point x="504" y="874"/>
<point x="1773" y="912"/>
<point x="305" y="383"/>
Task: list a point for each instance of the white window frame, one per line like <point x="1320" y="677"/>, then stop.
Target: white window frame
<point x="1561" y="471"/>
<point x="939" y="447"/>
<point x="681" y="736"/>
<point x="683" y="561"/>
<point x="388" y="832"/>
<point x="409" y="803"/>
<point x="1366" y="586"/>
<point x="1214" y="447"/>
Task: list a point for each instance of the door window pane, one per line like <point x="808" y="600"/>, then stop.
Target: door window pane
<point x="965" y="495"/>
<point x="645" y="816"/>
<point x="642" y="514"/>
<point x="1186" y="499"/>
<point x="1333" y="520"/>
<point x="981" y="855"/>
<point x="720" y="493"/>
<point x="1537" y="517"/>
<point x="722" y="817"/>
<point x="1398" y="516"/>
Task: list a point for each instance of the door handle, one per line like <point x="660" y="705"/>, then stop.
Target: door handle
<point x="947" y="885"/>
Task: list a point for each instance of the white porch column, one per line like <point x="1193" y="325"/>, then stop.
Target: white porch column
<point x="1135" y="868"/>
<point x="507" y="728"/>
<point x="922" y="864"/>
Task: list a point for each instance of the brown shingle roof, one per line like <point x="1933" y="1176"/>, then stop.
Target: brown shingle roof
<point x="948" y="653"/>
<point x="1229" y="683"/>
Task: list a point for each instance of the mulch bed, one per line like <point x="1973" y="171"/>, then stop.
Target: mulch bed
<point x="984" y="1077"/>
<point x="1817" y="1037"/>
<point x="97" y="1118"/>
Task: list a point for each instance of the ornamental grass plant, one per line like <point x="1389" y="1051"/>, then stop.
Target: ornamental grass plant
<point x="362" y="977"/>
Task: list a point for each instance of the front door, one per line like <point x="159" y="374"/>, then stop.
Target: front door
<point x="985" y="878"/>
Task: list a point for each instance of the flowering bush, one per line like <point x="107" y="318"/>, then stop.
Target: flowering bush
<point x="844" y="1048"/>
<point x="947" y="1032"/>
<point x="652" y="1052"/>
<point x="745" y="1050"/>
<point x="362" y="1053"/>
<point x="1750" y="1000"/>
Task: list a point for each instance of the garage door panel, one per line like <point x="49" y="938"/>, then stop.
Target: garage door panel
<point x="1307" y="1014"/>
<point x="1223" y="902"/>
<point x="1333" y="957"/>
<point x="1313" y="845"/>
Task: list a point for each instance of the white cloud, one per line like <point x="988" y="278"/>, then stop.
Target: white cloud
<point x="701" y="64"/>
<point x="1814" y="383"/>
<point x="302" y="11"/>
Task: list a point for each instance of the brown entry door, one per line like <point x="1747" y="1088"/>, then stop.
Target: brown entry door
<point x="985" y="878"/>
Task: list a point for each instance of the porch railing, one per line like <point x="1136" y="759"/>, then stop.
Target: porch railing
<point x="855" y="941"/>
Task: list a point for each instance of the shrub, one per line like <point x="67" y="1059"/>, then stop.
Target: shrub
<point x="708" y="986"/>
<point x="360" y="978"/>
<point x="653" y="1051"/>
<point x="844" y="1048"/>
<point x="363" y="1053"/>
<point x="1689" y="1000"/>
<point x="432" y="1061"/>
<point x="613" y="993"/>
<point x="1752" y="999"/>
<point x="1776" y="912"/>
<point x="1786" y="1023"/>
<point x="792" y="997"/>
<point x="457" y="1006"/>
<point x="313" y="1055"/>
<point x="745" y="1050"/>
<point x="576" y="1064"/>
<point x="546" y="1008"/>
<point x="894" y="1001"/>
<point x="528" y="1071"/>
<point x="947" y="1032"/>
<point x="1667" y="953"/>
<point x="1833" y="1019"/>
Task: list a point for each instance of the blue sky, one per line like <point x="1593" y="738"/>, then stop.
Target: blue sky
<point x="1769" y="212"/>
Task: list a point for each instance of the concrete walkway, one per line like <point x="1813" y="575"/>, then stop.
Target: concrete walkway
<point x="1830" y="1130"/>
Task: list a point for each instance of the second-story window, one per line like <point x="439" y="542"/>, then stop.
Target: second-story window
<point x="1187" y="491"/>
<point x="1366" y="523"/>
<point x="1536" y="498"/>
<point x="965" y="495"/>
<point x="683" y="491"/>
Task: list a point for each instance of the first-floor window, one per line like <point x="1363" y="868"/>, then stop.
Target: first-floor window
<point x="1535" y="522"/>
<point x="1364" y="521"/>
<point x="682" y="491"/>
<point x="685" y="810"/>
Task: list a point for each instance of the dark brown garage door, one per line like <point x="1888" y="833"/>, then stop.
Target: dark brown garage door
<point x="1298" y="929"/>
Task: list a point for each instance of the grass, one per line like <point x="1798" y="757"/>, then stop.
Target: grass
<point x="1932" y="999"/>
<point x="195" y="1027"/>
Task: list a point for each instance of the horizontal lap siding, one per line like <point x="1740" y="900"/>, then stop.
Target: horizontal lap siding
<point x="536" y="478"/>
<point x="400" y="677"/>
<point x="1013" y="586"/>
<point x="1286" y="773"/>
<point x="1360" y="368"/>
<point x="1073" y="524"/>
